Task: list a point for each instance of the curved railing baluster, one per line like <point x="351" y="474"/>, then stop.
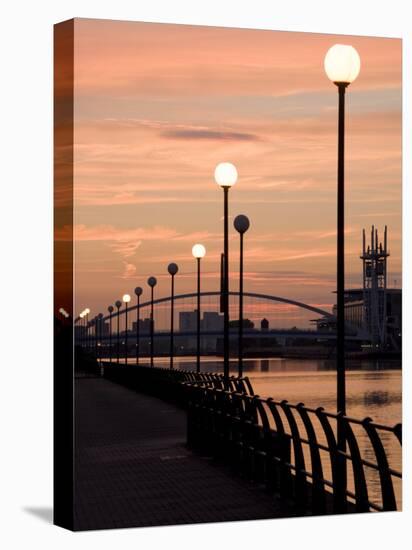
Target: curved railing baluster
<point x="299" y="459"/>
<point x="281" y="476"/>
<point x="361" y="490"/>
<point x="339" y="489"/>
<point x="318" y="485"/>
<point x="388" y="494"/>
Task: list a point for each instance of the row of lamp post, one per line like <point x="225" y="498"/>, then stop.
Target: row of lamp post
<point x="342" y="66"/>
<point x="226" y="176"/>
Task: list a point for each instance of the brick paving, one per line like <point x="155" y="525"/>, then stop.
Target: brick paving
<point x="133" y="469"/>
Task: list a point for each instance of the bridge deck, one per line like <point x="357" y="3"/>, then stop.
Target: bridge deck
<point x="133" y="469"/>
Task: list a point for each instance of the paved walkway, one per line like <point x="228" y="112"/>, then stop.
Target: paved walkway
<point x="133" y="469"/>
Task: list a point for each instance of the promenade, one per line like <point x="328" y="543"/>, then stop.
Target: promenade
<point x="133" y="468"/>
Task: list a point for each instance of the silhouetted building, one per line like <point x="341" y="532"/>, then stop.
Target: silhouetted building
<point x="144" y="326"/>
<point x="212" y="322"/>
<point x="187" y="321"/>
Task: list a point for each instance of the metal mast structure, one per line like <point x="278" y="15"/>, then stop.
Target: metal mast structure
<point x="374" y="258"/>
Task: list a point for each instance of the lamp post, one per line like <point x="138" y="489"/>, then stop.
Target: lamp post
<point x="118" y="305"/>
<point x="226" y="177"/>
<point x="110" y="310"/>
<point x="95" y="336"/>
<point x="198" y="252"/>
<point x="138" y="291"/>
<point x="126" y="300"/>
<point x="241" y="224"/>
<point x="81" y="331"/>
<point x="342" y="66"/>
<point x="99" y="334"/>
<point x="152" y="282"/>
<point x="87" y="311"/>
<point x="83" y="327"/>
<point x="172" y="269"/>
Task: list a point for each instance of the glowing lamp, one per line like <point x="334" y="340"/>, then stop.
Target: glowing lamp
<point x="342" y="64"/>
<point x="225" y="174"/>
<point x="198" y="251"/>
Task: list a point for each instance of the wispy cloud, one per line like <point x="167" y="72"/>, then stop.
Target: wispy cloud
<point x="210" y="135"/>
<point x="129" y="271"/>
<point x="125" y="248"/>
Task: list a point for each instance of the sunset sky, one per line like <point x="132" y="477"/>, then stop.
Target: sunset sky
<point x="158" y="106"/>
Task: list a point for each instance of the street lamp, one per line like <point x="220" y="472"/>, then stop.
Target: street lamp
<point x="342" y="66"/>
<point x="118" y="304"/>
<point x="126" y="300"/>
<point x="95" y="336"/>
<point x="198" y="252"/>
<point x="110" y="309"/>
<point x="138" y="291"/>
<point x="226" y="177"/>
<point x="99" y="334"/>
<point x="241" y="224"/>
<point x="172" y="269"/>
<point x="152" y="282"/>
<point x="81" y="315"/>
<point x="87" y="311"/>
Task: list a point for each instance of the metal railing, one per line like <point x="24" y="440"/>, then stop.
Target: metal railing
<point x="284" y="447"/>
<point x="291" y="449"/>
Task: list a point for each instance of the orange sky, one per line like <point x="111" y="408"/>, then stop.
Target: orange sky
<point x="158" y="106"/>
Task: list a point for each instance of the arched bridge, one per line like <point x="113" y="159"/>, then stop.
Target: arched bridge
<point x="255" y="295"/>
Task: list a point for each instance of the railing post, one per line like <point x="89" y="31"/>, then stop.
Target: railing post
<point x="388" y="495"/>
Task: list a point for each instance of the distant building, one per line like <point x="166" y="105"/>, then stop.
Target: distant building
<point x="187" y="321"/>
<point x="144" y="326"/>
<point x="356" y="313"/>
<point x="212" y="322"/>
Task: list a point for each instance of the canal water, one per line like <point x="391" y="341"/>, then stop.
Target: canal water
<point x="373" y="389"/>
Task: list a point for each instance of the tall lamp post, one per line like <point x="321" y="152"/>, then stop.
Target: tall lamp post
<point x="241" y="224"/>
<point x="87" y="311"/>
<point x="172" y="269"/>
<point x="138" y="291"/>
<point x="198" y="252"/>
<point x="99" y="334"/>
<point x="342" y="66"/>
<point x="225" y="177"/>
<point x="152" y="282"/>
<point x="95" y="336"/>
<point x="110" y="309"/>
<point x="118" y="304"/>
<point x="126" y="300"/>
<point x="81" y="331"/>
